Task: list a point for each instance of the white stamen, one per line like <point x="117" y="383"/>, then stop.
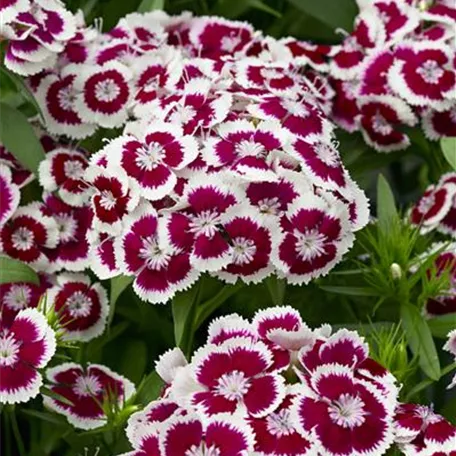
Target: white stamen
<point x="67" y="226"/>
<point x="243" y="250"/>
<point x="310" y="245"/>
<point x="66" y="98"/>
<point x="249" y="148"/>
<point x="9" y="350"/>
<point x="17" y="297"/>
<point x="87" y="385"/>
<point x="23" y="239"/>
<point x="381" y="125"/>
<point x="107" y="90"/>
<point x="204" y="223"/>
<point x="73" y="169"/>
<point x="269" y="205"/>
<point x="156" y="257"/>
<point x="327" y="153"/>
<point x="233" y="386"/>
<point x="108" y="200"/>
<point x="202" y="450"/>
<point x="430" y="72"/>
<point x="348" y="411"/>
<point x="280" y="423"/>
<point x="79" y="305"/>
<point x="149" y="157"/>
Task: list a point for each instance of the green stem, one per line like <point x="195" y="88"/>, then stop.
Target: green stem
<point x="17" y="434"/>
<point x="425" y="383"/>
<point x="7" y="433"/>
<point x="206" y="309"/>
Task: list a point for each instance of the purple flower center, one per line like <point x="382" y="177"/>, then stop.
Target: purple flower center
<point x="204" y="223"/>
<point x="149" y="157"/>
<point x="67" y="226"/>
<point x="381" y="125"/>
<point x="66" y="98"/>
<point x="202" y="450"/>
<point x="74" y="169"/>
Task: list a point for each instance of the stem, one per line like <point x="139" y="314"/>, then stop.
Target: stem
<point x="9" y="449"/>
<point x="425" y="383"/>
<point x="211" y="305"/>
<point x="17" y="434"/>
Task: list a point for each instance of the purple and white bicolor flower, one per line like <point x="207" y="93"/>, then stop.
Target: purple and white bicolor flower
<point x="9" y="194"/>
<point x="26" y="346"/>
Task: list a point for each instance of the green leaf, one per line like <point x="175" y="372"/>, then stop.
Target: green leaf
<point x="208" y="307"/>
<point x="440" y="326"/>
<point x="18" y="136"/>
<point x="118" y="285"/>
<point x="48" y="417"/>
<point x="277" y="288"/>
<point x="351" y="291"/>
<point x="22" y="89"/>
<point x="134" y="359"/>
<point x="12" y="270"/>
<point x="336" y="14"/>
<point x="150" y="388"/>
<point x="386" y="206"/>
<point x="420" y="340"/>
<point x="56" y="396"/>
<point x="235" y="8"/>
<point x="183" y="306"/>
<point x="149" y="5"/>
<point x="448" y="146"/>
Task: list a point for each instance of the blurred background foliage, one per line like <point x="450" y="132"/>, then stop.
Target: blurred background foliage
<point x="352" y="296"/>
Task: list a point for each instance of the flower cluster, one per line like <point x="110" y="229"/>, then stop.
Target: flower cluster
<point x="271" y="386"/>
<point x="420" y="431"/>
<point x="227" y="164"/>
<point x="396" y="69"/>
<point x="436" y="209"/>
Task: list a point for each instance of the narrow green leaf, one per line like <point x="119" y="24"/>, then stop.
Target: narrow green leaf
<point x="49" y="417"/>
<point x="351" y="291"/>
<point x="134" y="359"/>
<point x="386" y="206"/>
<point x="18" y="136"/>
<point x="118" y="285"/>
<point x="183" y="306"/>
<point x="420" y="340"/>
<point x="150" y="388"/>
<point x="448" y="146"/>
<point x="440" y="326"/>
<point x="56" y="396"/>
<point x="234" y="8"/>
<point x="276" y="288"/>
<point x="22" y="89"/>
<point x="12" y="270"/>
<point x="336" y="14"/>
<point x="208" y="307"/>
<point x="149" y="5"/>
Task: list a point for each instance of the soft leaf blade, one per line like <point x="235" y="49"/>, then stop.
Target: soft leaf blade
<point x="448" y="146"/>
<point x="18" y="136"/>
<point x="420" y="340"/>
<point x="12" y="271"/>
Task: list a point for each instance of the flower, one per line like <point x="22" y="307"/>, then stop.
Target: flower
<point x="28" y="234"/>
<point x="82" y="307"/>
<point x="344" y="414"/>
<point x="147" y="250"/>
<point x="450" y="346"/>
<point x="230" y="377"/>
<point x="37" y="31"/>
<point x="421" y="431"/>
<point x="25" y="346"/>
<point x="87" y="391"/>
<point x="9" y="194"/>
<point x="63" y="170"/>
